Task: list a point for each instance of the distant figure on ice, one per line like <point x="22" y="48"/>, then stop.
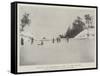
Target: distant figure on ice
<point x="32" y="40"/>
<point x="53" y="40"/>
<point x="58" y="40"/>
<point x="22" y="41"/>
<point x="67" y="39"/>
<point x="42" y="42"/>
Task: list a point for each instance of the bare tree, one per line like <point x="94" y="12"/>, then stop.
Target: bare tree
<point x="88" y="19"/>
<point x="24" y="21"/>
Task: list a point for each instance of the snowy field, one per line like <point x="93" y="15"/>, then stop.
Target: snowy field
<point x="74" y="51"/>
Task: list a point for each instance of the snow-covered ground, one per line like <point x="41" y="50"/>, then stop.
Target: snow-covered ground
<point x="84" y="33"/>
<point x="74" y="51"/>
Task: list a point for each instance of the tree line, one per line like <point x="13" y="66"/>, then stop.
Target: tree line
<point x="78" y="25"/>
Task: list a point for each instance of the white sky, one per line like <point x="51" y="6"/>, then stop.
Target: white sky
<point x="50" y="21"/>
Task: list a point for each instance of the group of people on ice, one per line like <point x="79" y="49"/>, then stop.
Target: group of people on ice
<point x="42" y="41"/>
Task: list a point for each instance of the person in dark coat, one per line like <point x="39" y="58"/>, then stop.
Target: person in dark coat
<point x="22" y="41"/>
<point x="42" y="42"/>
<point x="53" y="40"/>
<point x="67" y="39"/>
<point x="32" y="40"/>
<point x="58" y="40"/>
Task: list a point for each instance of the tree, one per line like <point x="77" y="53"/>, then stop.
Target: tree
<point x="88" y="19"/>
<point x="77" y="26"/>
<point x="24" y="21"/>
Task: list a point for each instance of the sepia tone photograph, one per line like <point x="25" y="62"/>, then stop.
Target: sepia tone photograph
<point x="56" y="35"/>
<point x="53" y="37"/>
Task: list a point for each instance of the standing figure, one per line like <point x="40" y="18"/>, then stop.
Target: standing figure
<point x="67" y="39"/>
<point x="22" y="41"/>
<point x="42" y="42"/>
<point x="58" y="40"/>
<point x="53" y="40"/>
<point x="32" y="40"/>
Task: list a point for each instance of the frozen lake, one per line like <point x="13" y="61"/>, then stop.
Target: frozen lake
<point x="74" y="51"/>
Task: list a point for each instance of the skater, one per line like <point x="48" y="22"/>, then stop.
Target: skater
<point x="67" y="39"/>
<point x="58" y="40"/>
<point x="42" y="42"/>
<point x="53" y="40"/>
<point x="32" y="40"/>
<point x="22" y="41"/>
